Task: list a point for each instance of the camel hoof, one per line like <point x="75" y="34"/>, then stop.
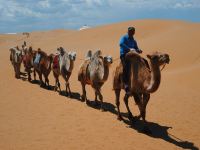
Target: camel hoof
<point x="83" y="98"/>
<point x="70" y="95"/>
<point x="131" y="118"/>
<point x="120" y="118"/>
<point x="87" y="102"/>
<point x="42" y="85"/>
<point x="138" y="117"/>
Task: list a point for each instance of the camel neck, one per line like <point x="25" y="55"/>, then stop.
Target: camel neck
<point x="155" y="77"/>
<point x="71" y="66"/>
<point x="106" y="72"/>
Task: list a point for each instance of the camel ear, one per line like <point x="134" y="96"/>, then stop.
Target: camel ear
<point x="97" y="53"/>
<point x="89" y="54"/>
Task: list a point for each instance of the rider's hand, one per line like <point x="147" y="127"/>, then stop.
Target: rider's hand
<point x="132" y="49"/>
<point x="139" y="51"/>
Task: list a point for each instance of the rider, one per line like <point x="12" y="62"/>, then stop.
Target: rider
<point x="127" y="43"/>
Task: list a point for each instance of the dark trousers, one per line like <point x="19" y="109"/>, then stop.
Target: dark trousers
<point x="126" y="69"/>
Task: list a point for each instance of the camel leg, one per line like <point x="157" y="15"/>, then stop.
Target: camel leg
<point x="146" y="98"/>
<point x="130" y="116"/>
<point x="34" y="73"/>
<point x="84" y="97"/>
<point x="17" y="72"/>
<point x="29" y="74"/>
<point x="117" y="101"/>
<point x="56" y="81"/>
<point x="68" y="87"/>
<point x="96" y="100"/>
<point x="138" y="98"/>
<point x="41" y="81"/>
<point x="46" y="81"/>
<point x="100" y="97"/>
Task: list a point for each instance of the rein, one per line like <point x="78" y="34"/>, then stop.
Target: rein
<point x="163" y="67"/>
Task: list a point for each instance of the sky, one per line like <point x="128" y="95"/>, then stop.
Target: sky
<point x="37" y="15"/>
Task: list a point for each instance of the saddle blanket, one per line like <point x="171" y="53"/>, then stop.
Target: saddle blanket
<point x="37" y="59"/>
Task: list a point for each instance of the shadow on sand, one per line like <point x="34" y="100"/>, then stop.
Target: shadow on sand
<point x="158" y="131"/>
<point x="50" y="87"/>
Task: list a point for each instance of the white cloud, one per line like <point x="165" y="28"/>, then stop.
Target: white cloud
<point x="72" y="13"/>
<point x="9" y="10"/>
<point x="44" y="4"/>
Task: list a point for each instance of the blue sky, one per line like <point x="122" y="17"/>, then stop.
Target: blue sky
<point x="33" y="15"/>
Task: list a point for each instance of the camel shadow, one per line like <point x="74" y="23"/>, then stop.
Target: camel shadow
<point x="158" y="131"/>
<point x="50" y="87"/>
<point x="106" y="106"/>
<point x="161" y="132"/>
<point x="74" y="95"/>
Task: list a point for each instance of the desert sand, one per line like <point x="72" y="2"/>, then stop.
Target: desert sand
<point x="34" y="118"/>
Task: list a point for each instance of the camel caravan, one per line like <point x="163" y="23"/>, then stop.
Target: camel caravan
<point x="144" y="76"/>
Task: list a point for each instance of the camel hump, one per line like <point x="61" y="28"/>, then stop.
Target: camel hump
<point x="97" y="54"/>
<point x="88" y="55"/>
<point x="132" y="55"/>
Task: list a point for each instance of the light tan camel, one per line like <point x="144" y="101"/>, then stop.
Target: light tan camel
<point x="94" y="71"/>
<point x="16" y="60"/>
<point x="143" y="81"/>
<point x="63" y="64"/>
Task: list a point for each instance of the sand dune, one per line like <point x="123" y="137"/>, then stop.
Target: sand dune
<point x="33" y="118"/>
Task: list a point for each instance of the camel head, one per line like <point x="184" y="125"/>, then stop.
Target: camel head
<point x="108" y="60"/>
<point x="17" y="53"/>
<point x="72" y="56"/>
<point x="159" y="58"/>
<point x="61" y="50"/>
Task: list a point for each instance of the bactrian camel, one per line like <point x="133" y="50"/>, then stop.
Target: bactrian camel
<point x="16" y="60"/>
<point x="94" y="71"/>
<point x="63" y="64"/>
<point x="43" y="66"/>
<point x="142" y="81"/>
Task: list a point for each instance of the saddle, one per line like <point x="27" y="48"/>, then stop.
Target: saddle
<point x="56" y="62"/>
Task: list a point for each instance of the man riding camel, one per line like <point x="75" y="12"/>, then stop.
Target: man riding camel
<point x="127" y="43"/>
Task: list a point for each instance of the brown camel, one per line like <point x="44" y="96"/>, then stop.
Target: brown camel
<point x="28" y="59"/>
<point x="42" y="65"/>
<point x="16" y="60"/>
<point x="143" y="81"/>
<point x="94" y="71"/>
<point x="63" y="64"/>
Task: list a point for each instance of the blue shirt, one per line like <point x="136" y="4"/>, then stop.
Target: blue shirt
<point x="126" y="43"/>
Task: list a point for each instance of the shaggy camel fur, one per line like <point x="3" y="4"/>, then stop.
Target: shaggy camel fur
<point x="63" y="64"/>
<point x="16" y="60"/>
<point x="143" y="81"/>
<point x="43" y="67"/>
<point x="94" y="71"/>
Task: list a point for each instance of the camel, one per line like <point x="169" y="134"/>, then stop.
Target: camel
<point x="63" y="64"/>
<point x="16" y="60"/>
<point x="42" y="65"/>
<point x="94" y="71"/>
<point x="143" y="82"/>
<point x="28" y="59"/>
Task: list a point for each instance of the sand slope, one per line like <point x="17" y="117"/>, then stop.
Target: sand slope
<point x="33" y="118"/>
